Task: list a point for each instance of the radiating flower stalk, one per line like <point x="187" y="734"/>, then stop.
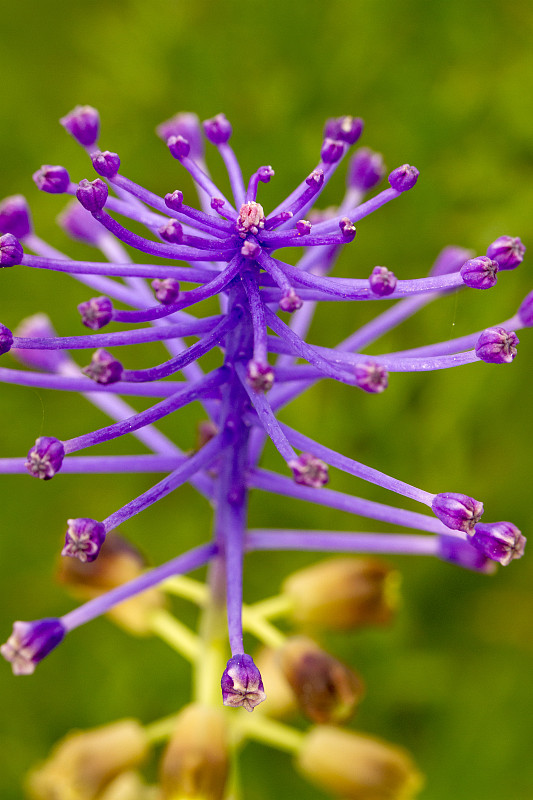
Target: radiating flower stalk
<point x="231" y="249"/>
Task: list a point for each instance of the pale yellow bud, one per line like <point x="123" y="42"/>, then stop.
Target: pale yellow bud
<point x="84" y="762"/>
<point x="281" y="700"/>
<point x="357" y="767"/>
<point x="343" y="593"/>
<point x="195" y="763"/>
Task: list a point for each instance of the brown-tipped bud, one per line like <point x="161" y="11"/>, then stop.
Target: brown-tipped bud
<point x="195" y="763"/>
<point x="281" y="699"/>
<point x="326" y="689"/>
<point x="343" y="593"/>
<point x="85" y="762"/>
<point x="117" y="562"/>
<point x="358" y="767"/>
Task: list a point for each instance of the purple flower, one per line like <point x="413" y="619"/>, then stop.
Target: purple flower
<point x="241" y="683"/>
<point x="54" y="180"/>
<point x="233" y="249"/>
<point x="508" y="251"/>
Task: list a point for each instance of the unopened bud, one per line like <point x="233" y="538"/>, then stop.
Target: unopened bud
<point x="457" y="511"/>
<point x="403" y="178"/>
<point x="45" y="458"/>
<point x="15" y="216"/>
<point x="54" y="180"/>
<point x="106" y="164"/>
<point x="184" y="124"/>
<point x="326" y="689"/>
<point x="357" y="767"/>
<point x="332" y="151"/>
<point x="308" y="470"/>
<point x="260" y="376"/>
<point x="118" y="562"/>
<point x="499" y="541"/>
<point x="83" y="539"/>
<point x="104" y="368"/>
<point x="96" y="313"/>
<point x="83" y="123"/>
<point x="366" y="169"/>
<point x="217" y="129"/>
<point x="382" y="281"/>
<point x="171" y="231"/>
<point x="195" y="763"/>
<point x="178" y="146"/>
<point x="479" y="273"/>
<point x="84" y="763"/>
<point x="497" y="346"/>
<point x="11" y="251"/>
<point x="166" y="290"/>
<point x="6" y="339"/>
<point x="92" y="194"/>
<point x="371" y="377"/>
<point x="508" y="251"/>
<point x="343" y="593"/>
<point x="242" y="685"/>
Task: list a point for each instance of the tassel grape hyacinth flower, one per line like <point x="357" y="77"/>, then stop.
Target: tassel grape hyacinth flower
<point x="232" y="247"/>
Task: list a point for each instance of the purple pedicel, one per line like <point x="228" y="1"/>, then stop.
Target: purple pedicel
<point x="80" y="224"/>
<point x="53" y="180"/>
<point x="217" y="129"/>
<point x="39" y="326"/>
<point x="83" y="123"/>
<point x="499" y="541"/>
<point x="11" y="252"/>
<point x="365" y="170"/>
<point x="92" y="194"/>
<point x="104" y="368"/>
<point x="30" y="642"/>
<point x="479" y="273"/>
<point x="106" y="164"/>
<point x="83" y="539"/>
<point x="403" y="178"/>
<point x="345" y="129"/>
<point x="96" y="313"/>
<point x="166" y="290"/>
<point x="308" y="470"/>
<point x="45" y="458"/>
<point x="15" y="216"/>
<point x="241" y="683"/>
<point x="371" y="377"/>
<point x="6" y="340"/>
<point x="457" y="511"/>
<point x="497" y="346"/>
<point x="332" y="151"/>
<point x="382" y="281"/>
<point x="508" y="251"/>
<point x="260" y="376"/>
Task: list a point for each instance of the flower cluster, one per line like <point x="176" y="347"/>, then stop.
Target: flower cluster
<point x="230" y="249"/>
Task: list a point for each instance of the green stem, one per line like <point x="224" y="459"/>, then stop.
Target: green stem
<point x="187" y="588"/>
<point x="262" y="628"/>
<point x="270" y="732"/>
<point x="175" y="633"/>
<point x="272" y="607"/>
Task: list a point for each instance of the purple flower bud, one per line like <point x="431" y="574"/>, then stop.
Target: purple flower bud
<point x="508" y="251"/>
<point x="179" y="146"/>
<point x="30" y="642"/>
<point x="171" y="231"/>
<point x="316" y="178"/>
<point x="499" y="541"/>
<point x="241" y="683"/>
<point x="166" y="290"/>
<point x="96" y="312"/>
<point x="83" y="123"/>
<point x="365" y="170"/>
<point x="308" y="470"/>
<point x="15" y="216"/>
<point x="347" y="229"/>
<point x="346" y="129"/>
<point x="462" y="554"/>
<point x="92" y="194"/>
<point x="80" y="224"/>
<point x="6" y="339"/>
<point x="457" y="511"/>
<point x="54" y="180"/>
<point x="174" y="200"/>
<point x="260" y="376"/>
<point x="332" y="151"/>
<point x="525" y="312"/>
<point x="11" y="251"/>
<point x="217" y="204"/>
<point x="479" y="273"/>
<point x="497" y="346"/>
<point x="250" y="249"/>
<point x="184" y="124"/>
<point x="106" y="164"/>
<point x="45" y="458"/>
<point x="303" y="226"/>
<point x="264" y="174"/>
<point x="403" y="178"/>
<point x="382" y="281"/>
<point x="217" y="129"/>
<point x="39" y="326"/>
<point x="251" y="218"/>
<point x="290" y="302"/>
<point x="83" y="539"/>
<point x="104" y="368"/>
<point x="371" y="377"/>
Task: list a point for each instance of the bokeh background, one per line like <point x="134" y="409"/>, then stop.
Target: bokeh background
<point x="447" y="86"/>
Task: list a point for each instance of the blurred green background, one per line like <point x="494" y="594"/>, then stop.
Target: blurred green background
<point x="447" y="86"/>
